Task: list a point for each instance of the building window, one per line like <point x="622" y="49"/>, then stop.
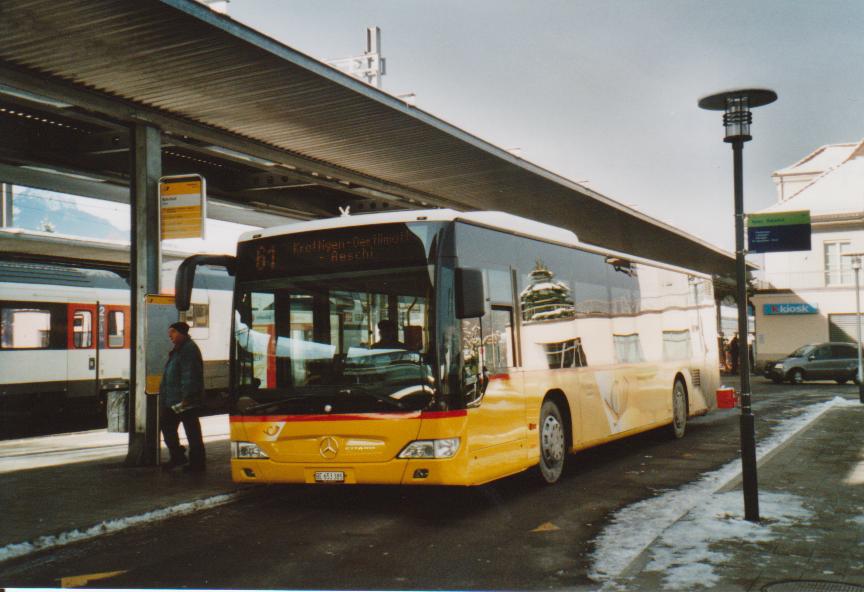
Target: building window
<point x="25" y="328"/>
<point x="838" y="269"/>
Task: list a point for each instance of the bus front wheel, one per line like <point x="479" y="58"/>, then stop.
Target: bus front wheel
<point x="553" y="442"/>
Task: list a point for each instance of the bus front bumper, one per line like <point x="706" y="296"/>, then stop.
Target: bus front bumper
<point x="394" y="472"/>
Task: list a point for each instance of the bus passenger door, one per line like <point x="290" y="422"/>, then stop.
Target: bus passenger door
<point x="81" y="355"/>
<point x="496" y="425"/>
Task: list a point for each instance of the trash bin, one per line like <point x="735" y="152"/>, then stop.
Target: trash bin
<point x="726" y="397"/>
<point x="117" y="408"/>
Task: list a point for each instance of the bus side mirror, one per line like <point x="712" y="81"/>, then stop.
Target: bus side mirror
<point x="185" y="279"/>
<point x="470" y="297"/>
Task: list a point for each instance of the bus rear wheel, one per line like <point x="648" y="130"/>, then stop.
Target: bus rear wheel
<point x="553" y="442"/>
<point x="679" y="409"/>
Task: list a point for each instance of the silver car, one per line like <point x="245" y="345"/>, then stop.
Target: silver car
<point x="817" y="361"/>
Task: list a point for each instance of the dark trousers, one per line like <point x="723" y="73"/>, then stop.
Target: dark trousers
<point x="169" y="421"/>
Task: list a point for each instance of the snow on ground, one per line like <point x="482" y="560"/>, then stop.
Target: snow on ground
<point x="110" y="526"/>
<point x="682" y="553"/>
<point x="633" y="528"/>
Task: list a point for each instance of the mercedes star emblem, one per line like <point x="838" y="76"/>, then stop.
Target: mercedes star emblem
<point x="329" y="447"/>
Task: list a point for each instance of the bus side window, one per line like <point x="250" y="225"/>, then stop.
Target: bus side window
<point x="498" y="343"/>
<point x="472" y="370"/>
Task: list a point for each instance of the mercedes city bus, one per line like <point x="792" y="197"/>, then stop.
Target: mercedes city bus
<point x="444" y="347"/>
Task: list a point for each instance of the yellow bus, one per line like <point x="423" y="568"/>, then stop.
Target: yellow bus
<point x="452" y="348"/>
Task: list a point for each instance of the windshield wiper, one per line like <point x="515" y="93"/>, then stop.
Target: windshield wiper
<point x="350" y="390"/>
<point x="277" y="402"/>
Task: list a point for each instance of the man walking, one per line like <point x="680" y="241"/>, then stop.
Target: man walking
<point x="735" y="351"/>
<point x="180" y="396"/>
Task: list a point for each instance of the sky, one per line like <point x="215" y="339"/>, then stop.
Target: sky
<point x="83" y="216"/>
<point x="605" y="93"/>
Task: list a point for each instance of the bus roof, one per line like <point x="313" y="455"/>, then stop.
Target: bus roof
<point x="497" y="220"/>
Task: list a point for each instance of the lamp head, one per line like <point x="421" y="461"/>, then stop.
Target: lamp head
<point x="856" y="259"/>
<point x="736" y="105"/>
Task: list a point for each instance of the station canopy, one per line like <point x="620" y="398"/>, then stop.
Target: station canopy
<point x="276" y="133"/>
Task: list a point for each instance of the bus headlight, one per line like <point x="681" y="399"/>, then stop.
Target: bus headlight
<point x="445" y="448"/>
<point x="246" y="450"/>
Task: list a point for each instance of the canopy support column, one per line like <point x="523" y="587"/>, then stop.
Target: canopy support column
<point x="144" y="279"/>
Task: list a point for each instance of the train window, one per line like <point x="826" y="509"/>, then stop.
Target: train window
<point x="197" y="316"/>
<point x="116" y="328"/>
<point x="82" y="329"/>
<point x="25" y="328"/>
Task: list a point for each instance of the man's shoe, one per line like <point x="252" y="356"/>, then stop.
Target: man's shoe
<point x="194" y="469"/>
<point x="174" y="462"/>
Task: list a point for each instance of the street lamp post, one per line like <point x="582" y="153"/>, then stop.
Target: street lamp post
<point x="737" y="119"/>
<point x="856" y="266"/>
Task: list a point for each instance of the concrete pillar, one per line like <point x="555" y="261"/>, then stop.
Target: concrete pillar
<point x="144" y="279"/>
<point x="7" y="217"/>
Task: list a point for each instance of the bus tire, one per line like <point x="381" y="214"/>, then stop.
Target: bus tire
<point x="679" y="409"/>
<point x="553" y="442"/>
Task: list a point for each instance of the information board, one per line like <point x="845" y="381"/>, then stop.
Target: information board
<point x="182" y="206"/>
<point x="159" y="314"/>
<point x="777" y="232"/>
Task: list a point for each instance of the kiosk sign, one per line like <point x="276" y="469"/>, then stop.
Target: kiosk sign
<point x="183" y="206"/>
<point x="790" y="308"/>
<point x="781" y="231"/>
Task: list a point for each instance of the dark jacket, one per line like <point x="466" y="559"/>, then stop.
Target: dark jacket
<point x="183" y="379"/>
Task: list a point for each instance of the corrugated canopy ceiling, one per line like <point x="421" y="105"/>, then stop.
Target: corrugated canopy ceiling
<point x="178" y="58"/>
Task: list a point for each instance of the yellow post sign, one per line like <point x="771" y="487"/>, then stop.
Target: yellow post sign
<point x="183" y="206"/>
<point x="159" y="313"/>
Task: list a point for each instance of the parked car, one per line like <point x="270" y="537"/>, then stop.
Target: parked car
<point x="817" y="361"/>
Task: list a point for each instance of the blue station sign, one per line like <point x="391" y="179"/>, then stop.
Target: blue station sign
<point x="789" y="308"/>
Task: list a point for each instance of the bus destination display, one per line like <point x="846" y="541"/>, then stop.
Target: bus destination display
<point x="372" y="247"/>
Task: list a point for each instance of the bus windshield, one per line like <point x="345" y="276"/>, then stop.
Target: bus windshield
<point x="352" y="343"/>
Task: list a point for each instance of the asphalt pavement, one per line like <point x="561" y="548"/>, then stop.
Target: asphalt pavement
<point x="76" y="517"/>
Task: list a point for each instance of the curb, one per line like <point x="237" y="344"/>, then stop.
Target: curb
<point x="45" y="542"/>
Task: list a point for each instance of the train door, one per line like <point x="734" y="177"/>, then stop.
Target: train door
<point x="81" y="351"/>
<point x="114" y="323"/>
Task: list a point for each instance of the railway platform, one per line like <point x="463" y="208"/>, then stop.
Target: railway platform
<point x="811" y="493"/>
<point x="57" y="485"/>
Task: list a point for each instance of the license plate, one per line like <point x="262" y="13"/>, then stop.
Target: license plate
<point x="330" y="476"/>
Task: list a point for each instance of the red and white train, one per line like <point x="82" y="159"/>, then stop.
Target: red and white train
<point x="65" y="334"/>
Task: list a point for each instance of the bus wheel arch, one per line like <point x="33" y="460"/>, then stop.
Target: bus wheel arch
<point x="555" y="433"/>
<point x="680" y="406"/>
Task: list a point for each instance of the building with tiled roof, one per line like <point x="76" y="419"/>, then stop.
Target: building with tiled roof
<point x="829" y="183"/>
